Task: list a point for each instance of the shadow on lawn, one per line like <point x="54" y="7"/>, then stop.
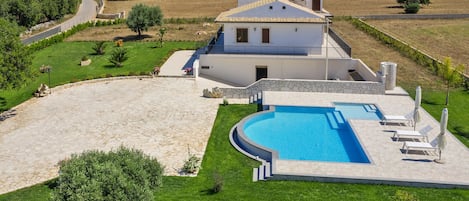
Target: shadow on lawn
<point x="132" y="37"/>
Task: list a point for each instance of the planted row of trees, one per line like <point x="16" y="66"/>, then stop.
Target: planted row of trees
<point x="28" y="13"/>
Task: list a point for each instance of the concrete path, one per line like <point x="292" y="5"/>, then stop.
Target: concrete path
<point x="164" y="117"/>
<point x="174" y="66"/>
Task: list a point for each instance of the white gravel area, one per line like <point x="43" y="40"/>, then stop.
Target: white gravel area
<point x="164" y="117"/>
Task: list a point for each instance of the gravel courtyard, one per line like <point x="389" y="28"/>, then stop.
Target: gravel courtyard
<point x="164" y="117"/>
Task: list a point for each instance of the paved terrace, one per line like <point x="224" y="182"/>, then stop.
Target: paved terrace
<point x="388" y="162"/>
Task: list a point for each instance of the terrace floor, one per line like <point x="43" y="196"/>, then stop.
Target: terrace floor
<point x="388" y="162"/>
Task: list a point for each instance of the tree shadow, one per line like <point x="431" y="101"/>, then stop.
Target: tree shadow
<point x="7" y="114"/>
<point x="462" y="131"/>
<point x="53" y="183"/>
<point x="207" y="192"/>
<point x="132" y="37"/>
<point x="397" y="6"/>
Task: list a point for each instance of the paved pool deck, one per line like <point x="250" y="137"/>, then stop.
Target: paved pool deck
<point x="388" y="162"/>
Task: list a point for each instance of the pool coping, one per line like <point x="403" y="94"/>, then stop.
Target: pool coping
<point x="288" y="175"/>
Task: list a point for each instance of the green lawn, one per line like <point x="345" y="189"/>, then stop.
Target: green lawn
<point x="236" y="169"/>
<point x="433" y="101"/>
<point x="65" y="61"/>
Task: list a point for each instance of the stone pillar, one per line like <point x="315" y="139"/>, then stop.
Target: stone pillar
<point x="389" y="74"/>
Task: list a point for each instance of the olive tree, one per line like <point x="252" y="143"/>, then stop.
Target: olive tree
<point x="141" y="17"/>
<point x="124" y="174"/>
<point x="15" y="58"/>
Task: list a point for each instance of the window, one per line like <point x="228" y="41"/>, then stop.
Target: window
<point x="265" y="35"/>
<point x="242" y="35"/>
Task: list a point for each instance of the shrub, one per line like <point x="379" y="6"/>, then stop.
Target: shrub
<point x="411" y="8"/>
<point x="99" y="47"/>
<point x="119" y="43"/>
<point x="124" y="174"/>
<point x="84" y="58"/>
<point x="118" y="56"/>
<point x="192" y="164"/>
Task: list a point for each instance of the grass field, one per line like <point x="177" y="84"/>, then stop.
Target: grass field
<point x="174" y="32"/>
<point x="236" y="169"/>
<point x="66" y="67"/>
<point x="380" y="7"/>
<point x="439" y="38"/>
<point x="203" y="8"/>
<point x="176" y="8"/>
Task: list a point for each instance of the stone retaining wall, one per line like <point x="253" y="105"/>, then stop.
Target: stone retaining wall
<point x="328" y="86"/>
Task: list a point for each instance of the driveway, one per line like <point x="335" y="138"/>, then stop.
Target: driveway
<point x="164" y="117"/>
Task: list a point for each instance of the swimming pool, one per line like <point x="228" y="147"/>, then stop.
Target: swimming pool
<point x="311" y="133"/>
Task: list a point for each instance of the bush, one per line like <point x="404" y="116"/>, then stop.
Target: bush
<point x="192" y="164"/>
<point x="99" y="47"/>
<point x="84" y="58"/>
<point x="411" y="8"/>
<point x="118" y="56"/>
<point x="124" y="174"/>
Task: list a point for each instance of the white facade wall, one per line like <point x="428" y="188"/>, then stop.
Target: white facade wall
<point x="241" y="69"/>
<point x="285" y="38"/>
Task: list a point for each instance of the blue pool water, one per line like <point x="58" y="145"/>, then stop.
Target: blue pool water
<point x="311" y="133"/>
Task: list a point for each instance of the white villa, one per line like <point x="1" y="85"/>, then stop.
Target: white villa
<point x="278" y="39"/>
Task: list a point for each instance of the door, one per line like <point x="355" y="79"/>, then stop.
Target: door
<point x="261" y="72"/>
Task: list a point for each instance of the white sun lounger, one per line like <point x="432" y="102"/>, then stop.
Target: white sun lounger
<point x="420" y="146"/>
<point x="422" y="133"/>
<point x="407" y="119"/>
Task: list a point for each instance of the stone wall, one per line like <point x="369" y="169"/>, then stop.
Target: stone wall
<point x="328" y="86"/>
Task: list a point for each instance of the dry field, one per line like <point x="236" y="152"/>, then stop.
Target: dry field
<point x="439" y="38"/>
<point x="211" y="8"/>
<point x="175" y="32"/>
<point x="372" y="52"/>
<point x="176" y="8"/>
<point x="380" y="7"/>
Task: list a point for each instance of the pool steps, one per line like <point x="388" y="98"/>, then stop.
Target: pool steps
<point x="262" y="172"/>
<point x="336" y="120"/>
<point x="370" y="107"/>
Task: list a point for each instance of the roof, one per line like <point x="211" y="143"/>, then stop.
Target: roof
<point x="271" y="11"/>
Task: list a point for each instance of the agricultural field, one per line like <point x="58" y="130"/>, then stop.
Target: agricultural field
<point x="382" y="7"/>
<point x="211" y="8"/>
<point x="174" y="32"/>
<point x="176" y="8"/>
<point x="439" y="38"/>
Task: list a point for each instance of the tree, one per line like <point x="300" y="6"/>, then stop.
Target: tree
<point x="451" y="74"/>
<point x="118" y="56"/>
<point x="15" y="58"/>
<point x="162" y="31"/>
<point x="141" y="17"/>
<point x="124" y="174"/>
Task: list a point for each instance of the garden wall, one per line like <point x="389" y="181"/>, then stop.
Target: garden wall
<point x="327" y="86"/>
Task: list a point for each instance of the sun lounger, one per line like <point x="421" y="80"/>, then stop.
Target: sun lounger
<point x="422" y="133"/>
<point x="420" y="146"/>
<point x="407" y="119"/>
